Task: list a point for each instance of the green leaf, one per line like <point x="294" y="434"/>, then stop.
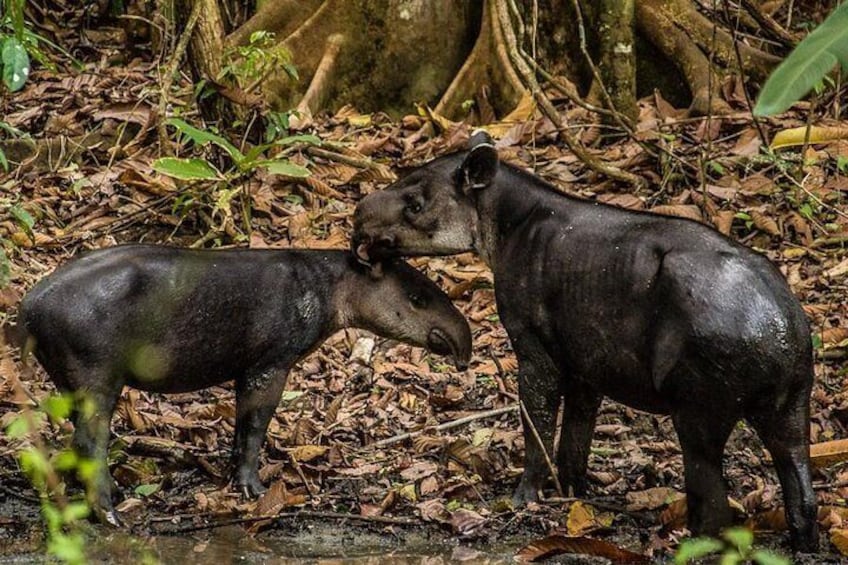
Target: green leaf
<point x="3" y="161"/>
<point x="24" y="218"/>
<point x="764" y="557"/>
<point x="74" y="511"/>
<point x="806" y="65"/>
<point x="17" y="428"/>
<point x="5" y="268"/>
<point x="283" y="167"/>
<point x="741" y="538"/>
<point x="58" y="406"/>
<point x="186" y="169"/>
<point x="15" y="63"/>
<point x="290" y="395"/>
<point x="66" y="460"/>
<point x="695" y="549"/>
<point x="203" y="137"/>
<point x="147" y="490"/>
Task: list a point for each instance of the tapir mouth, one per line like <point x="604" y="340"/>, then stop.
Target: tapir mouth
<point x="368" y="250"/>
<point x="439" y="342"/>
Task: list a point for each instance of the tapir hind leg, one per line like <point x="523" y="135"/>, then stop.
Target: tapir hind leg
<point x="257" y="396"/>
<point x="785" y="431"/>
<point x="580" y="409"/>
<point x="93" y="416"/>
<point x="703" y="447"/>
<point x="539" y="391"/>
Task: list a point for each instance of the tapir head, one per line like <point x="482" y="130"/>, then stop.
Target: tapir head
<point x="431" y="211"/>
<point x="394" y="300"/>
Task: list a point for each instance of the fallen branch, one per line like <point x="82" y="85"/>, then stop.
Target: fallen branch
<point x="285" y="515"/>
<point x="447" y="425"/>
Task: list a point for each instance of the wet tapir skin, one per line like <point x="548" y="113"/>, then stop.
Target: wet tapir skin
<point x="164" y="319"/>
<point x="663" y="314"/>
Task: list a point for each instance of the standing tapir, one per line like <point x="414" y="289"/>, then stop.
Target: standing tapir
<point x="164" y="319"/>
<point x="663" y="314"/>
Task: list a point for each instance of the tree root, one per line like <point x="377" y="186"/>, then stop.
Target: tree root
<point x="280" y="17"/>
<point x="488" y="62"/>
<point x="316" y="94"/>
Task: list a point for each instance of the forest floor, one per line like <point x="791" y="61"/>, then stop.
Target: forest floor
<point x="337" y="444"/>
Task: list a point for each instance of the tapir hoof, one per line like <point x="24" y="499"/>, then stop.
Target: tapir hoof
<point x="251" y="490"/>
<point x="109" y="517"/>
<point x="523" y="494"/>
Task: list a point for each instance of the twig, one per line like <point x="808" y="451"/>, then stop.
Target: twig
<point x="548" y="109"/>
<point x="341" y="158"/>
<point x="173" y="64"/>
<point x="767" y="22"/>
<point x="447" y="425"/>
<point x="302" y="514"/>
<point x="535" y="432"/>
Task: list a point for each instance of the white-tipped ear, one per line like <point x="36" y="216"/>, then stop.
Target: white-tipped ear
<point x="479" y="167"/>
<point x="376" y="270"/>
<point x="480" y="137"/>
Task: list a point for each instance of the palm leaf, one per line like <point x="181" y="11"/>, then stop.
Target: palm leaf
<point x="807" y="64"/>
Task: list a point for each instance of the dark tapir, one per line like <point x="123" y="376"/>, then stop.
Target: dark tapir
<point x="663" y="314"/>
<point x="164" y="319"/>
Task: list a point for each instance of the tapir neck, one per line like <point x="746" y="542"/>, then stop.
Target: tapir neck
<point x="513" y="199"/>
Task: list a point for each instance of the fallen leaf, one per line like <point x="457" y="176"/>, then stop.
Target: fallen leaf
<point x="650" y="499"/>
<point x="817" y="134"/>
<point x="764" y="223"/>
<point x="465" y="521"/>
<point x="306" y="453"/>
<point x="680" y="210"/>
<point x="839" y="538"/>
<point x="828" y="453"/>
<point x="557" y="545"/>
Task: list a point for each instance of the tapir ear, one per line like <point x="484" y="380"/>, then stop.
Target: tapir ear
<point x="479" y="167"/>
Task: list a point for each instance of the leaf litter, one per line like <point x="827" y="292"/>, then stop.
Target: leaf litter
<point x="101" y="189"/>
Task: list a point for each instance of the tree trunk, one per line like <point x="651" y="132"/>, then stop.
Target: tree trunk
<point x="617" y="56"/>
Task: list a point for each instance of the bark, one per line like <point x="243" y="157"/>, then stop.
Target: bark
<point x="617" y="55"/>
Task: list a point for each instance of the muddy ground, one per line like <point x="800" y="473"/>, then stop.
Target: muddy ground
<point x="344" y="478"/>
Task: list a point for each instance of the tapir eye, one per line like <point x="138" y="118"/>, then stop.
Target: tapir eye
<point x="417" y="300"/>
<point x="413" y="207"/>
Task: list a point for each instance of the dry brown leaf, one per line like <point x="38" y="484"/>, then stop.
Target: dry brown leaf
<point x="841" y="269"/>
<point x="629" y="201"/>
<point x="834" y="336"/>
<point x="679" y="210"/>
<point x="557" y="545"/>
<point x="650" y="499"/>
<point x="465" y="521"/>
<point x="419" y="470"/>
<point x="839" y="538"/>
<point x="829" y="452"/>
<point x="764" y="223"/>
<point x="674" y="517"/>
<point x="306" y="453"/>
<point x="333" y="410"/>
<point x="583" y="518"/>
<point x="773" y="520"/>
<point x="723" y="221"/>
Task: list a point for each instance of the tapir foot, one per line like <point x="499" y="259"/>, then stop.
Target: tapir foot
<point x="250" y="487"/>
<point x="524" y="493"/>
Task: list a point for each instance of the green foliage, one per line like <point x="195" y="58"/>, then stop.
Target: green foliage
<point x="250" y="64"/>
<point x="243" y="163"/>
<point x="807" y="65"/>
<point x="736" y="546"/>
<point x="63" y="517"/>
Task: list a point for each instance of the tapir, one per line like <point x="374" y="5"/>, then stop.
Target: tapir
<point x="164" y="319"/>
<point x="663" y="314"/>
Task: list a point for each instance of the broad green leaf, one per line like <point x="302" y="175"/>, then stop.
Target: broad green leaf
<point x="66" y="460"/>
<point x="202" y="137"/>
<point x="807" y="64"/>
<point x="15" y="63"/>
<point x="258" y="150"/>
<point x="3" y="161"/>
<point x="696" y="548"/>
<point x="282" y="167"/>
<point x="74" y="511"/>
<point x="741" y="538"/>
<point x="147" y="490"/>
<point x="18" y="428"/>
<point x="290" y="395"/>
<point x="24" y="218"/>
<point x="59" y="406"/>
<point x="764" y="557"/>
<point x="186" y="169"/>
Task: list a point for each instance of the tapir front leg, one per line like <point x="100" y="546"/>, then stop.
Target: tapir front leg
<point x="539" y="391"/>
<point x="579" y="411"/>
<point x="257" y="396"/>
